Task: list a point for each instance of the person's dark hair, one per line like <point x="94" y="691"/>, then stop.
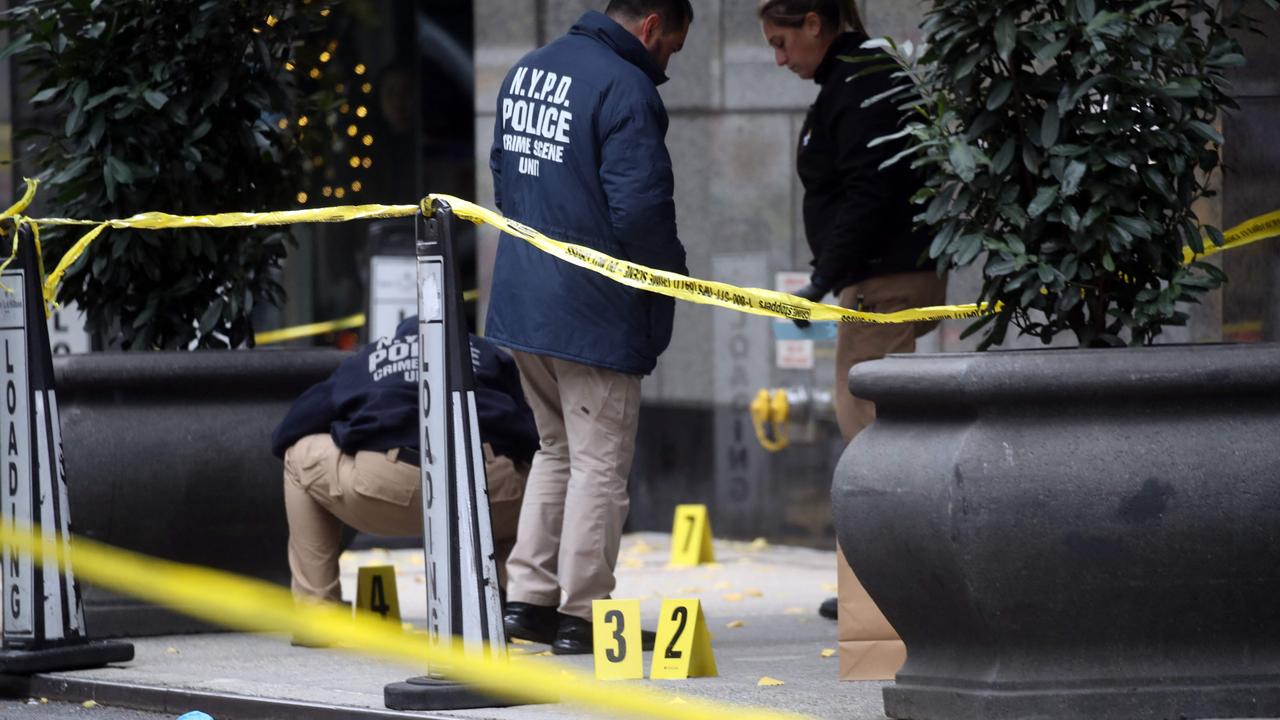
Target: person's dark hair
<point x="837" y="15"/>
<point x="676" y="14"/>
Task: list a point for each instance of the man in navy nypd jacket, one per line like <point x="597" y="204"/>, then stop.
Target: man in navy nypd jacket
<point x="350" y="451"/>
<point x="579" y="153"/>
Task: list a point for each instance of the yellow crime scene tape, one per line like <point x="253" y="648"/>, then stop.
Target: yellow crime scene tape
<point x="350" y="322"/>
<point x="297" y="332"/>
<point x="757" y="301"/>
<point x="257" y="606"/>
<point x="772" y="303"/>
<point x="253" y="605"/>
<point x="1249" y="231"/>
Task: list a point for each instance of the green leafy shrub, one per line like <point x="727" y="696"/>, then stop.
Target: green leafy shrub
<point x="176" y="106"/>
<point x="1065" y="142"/>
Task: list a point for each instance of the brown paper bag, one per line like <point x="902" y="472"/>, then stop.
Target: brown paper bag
<point x="869" y="646"/>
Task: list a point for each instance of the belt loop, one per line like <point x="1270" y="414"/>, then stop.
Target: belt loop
<point x="335" y="481"/>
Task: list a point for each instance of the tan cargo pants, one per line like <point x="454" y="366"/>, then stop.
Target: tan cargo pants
<point x="576" y="500"/>
<point x="372" y="492"/>
<point x="859" y="342"/>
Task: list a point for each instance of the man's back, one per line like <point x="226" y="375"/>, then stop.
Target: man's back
<point x="579" y="153"/>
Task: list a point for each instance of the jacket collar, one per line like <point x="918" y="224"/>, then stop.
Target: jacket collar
<point x="604" y="29"/>
<point x="846" y="43"/>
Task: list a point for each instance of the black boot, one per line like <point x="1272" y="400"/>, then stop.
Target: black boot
<point x="536" y="623"/>
<point x="828" y="608"/>
<point x="574" y="637"/>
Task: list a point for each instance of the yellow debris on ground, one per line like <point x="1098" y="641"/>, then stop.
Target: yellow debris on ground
<point x="794" y="611"/>
<point x="759" y="544"/>
<point x="172" y="651"/>
<point x="753" y="593"/>
<point x="830" y="587"/>
<point x="767" y="681"/>
<point x="828" y="652"/>
<point x="723" y="585"/>
<point x="734" y="624"/>
<point x="89" y="704"/>
<point x="520" y="641"/>
<point x="733" y="597"/>
<point x="639" y="548"/>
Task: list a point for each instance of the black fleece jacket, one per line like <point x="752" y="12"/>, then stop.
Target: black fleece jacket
<point x="857" y="217"/>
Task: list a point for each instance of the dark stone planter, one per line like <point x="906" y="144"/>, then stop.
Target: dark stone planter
<point x="1073" y="534"/>
<point x="169" y="454"/>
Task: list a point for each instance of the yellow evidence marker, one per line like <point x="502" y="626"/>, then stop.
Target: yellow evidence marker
<point x="683" y="646"/>
<point x="691" y="537"/>
<point x="376" y="591"/>
<point x="615" y="639"/>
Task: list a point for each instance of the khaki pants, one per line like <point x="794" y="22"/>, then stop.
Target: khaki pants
<point x="372" y="492"/>
<point x="869" y="646"/>
<point x="859" y="342"/>
<point x="576" y="499"/>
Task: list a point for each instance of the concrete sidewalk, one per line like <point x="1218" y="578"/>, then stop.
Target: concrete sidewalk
<point x="773" y="591"/>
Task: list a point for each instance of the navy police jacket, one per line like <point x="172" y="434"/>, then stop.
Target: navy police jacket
<point x="371" y="401"/>
<point x="579" y="153"/>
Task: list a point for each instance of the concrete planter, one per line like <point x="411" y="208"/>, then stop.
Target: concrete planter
<point x="1073" y="534"/>
<point x="169" y="454"/>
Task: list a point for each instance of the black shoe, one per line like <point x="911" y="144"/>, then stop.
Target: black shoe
<point x="574" y="637"/>
<point x="536" y="623"/>
<point x="828" y="608"/>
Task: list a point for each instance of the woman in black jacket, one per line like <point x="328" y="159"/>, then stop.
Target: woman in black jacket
<point x="857" y="217"/>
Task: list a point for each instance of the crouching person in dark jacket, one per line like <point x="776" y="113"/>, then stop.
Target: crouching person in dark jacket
<point x="350" y="451"/>
<point x="579" y="153"/>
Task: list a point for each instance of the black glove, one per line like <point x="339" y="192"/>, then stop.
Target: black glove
<point x="812" y="292"/>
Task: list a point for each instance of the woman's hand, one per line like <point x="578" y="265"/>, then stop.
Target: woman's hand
<point x="812" y="292"/>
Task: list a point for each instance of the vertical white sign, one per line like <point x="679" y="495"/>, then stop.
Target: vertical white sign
<point x="19" y="590"/>
<point x="490" y="600"/>
<point x="431" y="438"/>
<point x="53" y="625"/>
<point x="66" y="331"/>
<point x="75" y="611"/>
<point x="393" y="294"/>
